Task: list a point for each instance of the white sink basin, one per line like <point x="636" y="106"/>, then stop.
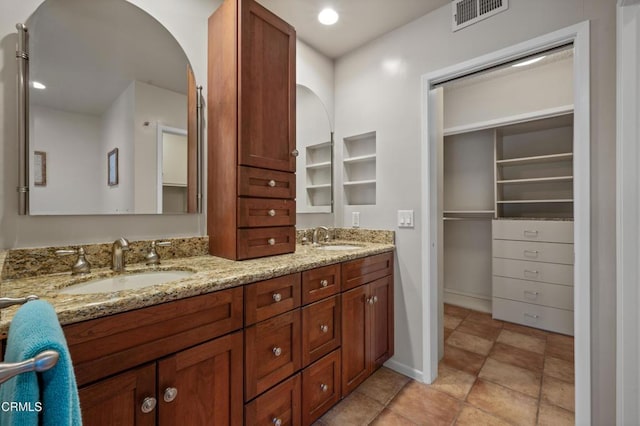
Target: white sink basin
<point x="125" y="282"/>
<point x="338" y="247"/>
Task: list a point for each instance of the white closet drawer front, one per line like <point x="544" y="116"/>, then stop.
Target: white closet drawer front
<point x="533" y="271"/>
<point x="552" y="319"/>
<point x="555" y="296"/>
<point x="529" y="250"/>
<point x="534" y="230"/>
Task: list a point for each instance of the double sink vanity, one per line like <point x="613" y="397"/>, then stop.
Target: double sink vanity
<point x="277" y="340"/>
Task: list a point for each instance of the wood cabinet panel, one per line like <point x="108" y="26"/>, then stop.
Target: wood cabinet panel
<point x="280" y="403"/>
<point x="321" y="329"/>
<point x="382" y="321"/>
<point x="257" y="212"/>
<point x="320" y="283"/>
<point x="260" y="242"/>
<point x="321" y="387"/>
<point x="264" y="183"/>
<point x="361" y="271"/>
<point x="355" y="338"/>
<point x="266" y="299"/>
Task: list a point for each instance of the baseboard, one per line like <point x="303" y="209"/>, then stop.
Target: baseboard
<point x="404" y="369"/>
<point x="467" y="301"/>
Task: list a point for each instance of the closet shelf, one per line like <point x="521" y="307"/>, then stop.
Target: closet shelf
<point x="560" y="200"/>
<point x="468" y="211"/>
<point x="359" y="159"/>
<point x="321" y="186"/>
<point x="535" y="180"/>
<point x="323" y="165"/>
<point x="467" y="218"/>
<point x="537" y="159"/>
<point x="360" y="182"/>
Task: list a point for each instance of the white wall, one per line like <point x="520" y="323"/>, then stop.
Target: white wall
<point x="378" y="89"/>
<point x="188" y="23"/>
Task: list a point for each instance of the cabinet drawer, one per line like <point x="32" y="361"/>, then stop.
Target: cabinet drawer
<point x="365" y="270"/>
<point x="320" y="329"/>
<point x="556" y="296"/>
<point x="533" y="271"/>
<point x="269" y="298"/>
<point x="260" y="242"/>
<point x="529" y="250"/>
<point x="534" y="230"/>
<point x="105" y="346"/>
<point x="253" y="182"/>
<point x="320" y="387"/>
<point x="280" y="403"/>
<point x="272" y="352"/>
<point x="546" y="318"/>
<point x="256" y="212"/>
<point x="320" y="283"/>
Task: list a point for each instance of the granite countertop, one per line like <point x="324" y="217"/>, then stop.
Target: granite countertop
<point x="210" y="274"/>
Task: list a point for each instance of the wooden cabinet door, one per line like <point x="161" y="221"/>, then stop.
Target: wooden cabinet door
<point x="208" y="381"/>
<point x="355" y="338"/>
<point x="381" y="320"/>
<point x="267" y="95"/>
<point x="118" y="400"/>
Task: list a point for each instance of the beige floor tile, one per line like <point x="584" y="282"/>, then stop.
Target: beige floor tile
<point x="470" y="343"/>
<point x="512" y="377"/>
<point x="456" y="311"/>
<point x="456" y="383"/>
<point x="559" y="346"/>
<point x="389" y="418"/>
<point x="479" y="329"/>
<point x="521" y="341"/>
<point x="462" y="360"/>
<point x="447" y="333"/>
<point x="550" y="415"/>
<point x="355" y="410"/>
<point x="424" y="405"/>
<point x="383" y="385"/>
<point x="504" y="403"/>
<point x="559" y="368"/>
<point x="483" y="318"/>
<point x="471" y="416"/>
<point x="529" y="331"/>
<point x="516" y="356"/>
<point x="559" y="393"/>
<point x="451" y="322"/>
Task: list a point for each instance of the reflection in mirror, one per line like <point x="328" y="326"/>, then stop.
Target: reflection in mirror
<point x="105" y="75"/>
<point x="314" y="140"/>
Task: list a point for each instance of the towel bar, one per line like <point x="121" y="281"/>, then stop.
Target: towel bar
<point x="5" y="302"/>
<point x="41" y="362"/>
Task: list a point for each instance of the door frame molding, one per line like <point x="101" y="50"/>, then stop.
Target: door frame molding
<point x="577" y="34"/>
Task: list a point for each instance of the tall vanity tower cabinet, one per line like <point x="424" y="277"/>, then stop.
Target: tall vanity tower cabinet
<point x="251" y="132"/>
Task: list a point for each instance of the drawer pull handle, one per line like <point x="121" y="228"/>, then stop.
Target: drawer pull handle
<point x="277" y="297"/>
<point x="277" y="351"/>
<point x="530" y="233"/>
<point x="532" y="316"/>
<point x="272" y="212"/>
<point x="528" y="271"/>
<point x="534" y="294"/>
<point x="295" y="152"/>
<point x="148" y="404"/>
<point x="324" y="328"/>
<point x="531" y="253"/>
<point x="324" y="387"/>
<point x="276" y="421"/>
<point x="272" y="183"/>
<point x="170" y="394"/>
<point x="324" y="283"/>
<point x="271" y="241"/>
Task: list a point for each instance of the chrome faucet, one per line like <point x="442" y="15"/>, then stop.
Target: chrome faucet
<point x="82" y="265"/>
<point x="117" y="256"/>
<point x="317" y="230"/>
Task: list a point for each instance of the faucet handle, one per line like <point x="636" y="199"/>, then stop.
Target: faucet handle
<point x="152" y="258"/>
<point x="82" y="265"/>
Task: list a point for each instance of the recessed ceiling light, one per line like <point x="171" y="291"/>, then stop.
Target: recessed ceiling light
<point x="328" y="16"/>
<point x="528" y="62"/>
<point x="38" y="85"/>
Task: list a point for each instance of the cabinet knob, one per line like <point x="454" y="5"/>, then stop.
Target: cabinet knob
<point x="324" y="283"/>
<point x="295" y="153"/>
<point x="271" y="241"/>
<point x="277" y="297"/>
<point x="277" y="351"/>
<point x="324" y="328"/>
<point x="324" y="387"/>
<point x="375" y="299"/>
<point x="170" y="394"/>
<point x="370" y="301"/>
<point x="276" y="421"/>
<point x="272" y="212"/>
<point x="148" y="404"/>
<point x="272" y="183"/>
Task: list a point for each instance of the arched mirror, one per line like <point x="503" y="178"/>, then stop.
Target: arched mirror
<point x="106" y="88"/>
<point x="314" y="140"/>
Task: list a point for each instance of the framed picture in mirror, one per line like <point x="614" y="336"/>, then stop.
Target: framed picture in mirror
<point x="112" y="167"/>
<point x="40" y="168"/>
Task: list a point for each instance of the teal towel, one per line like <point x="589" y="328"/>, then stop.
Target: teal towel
<point x="35" y="328"/>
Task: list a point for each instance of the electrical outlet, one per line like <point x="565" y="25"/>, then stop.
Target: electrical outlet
<point x="405" y="219"/>
<point x="355" y="219"/>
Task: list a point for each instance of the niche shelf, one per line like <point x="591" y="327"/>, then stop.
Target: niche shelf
<point x="359" y="162"/>
<point x="318" y="173"/>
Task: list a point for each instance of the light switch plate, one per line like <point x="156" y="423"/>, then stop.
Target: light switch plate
<point x="355" y="219"/>
<point x="405" y="219"/>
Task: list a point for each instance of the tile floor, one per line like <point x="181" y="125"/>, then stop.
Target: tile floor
<point x="492" y="373"/>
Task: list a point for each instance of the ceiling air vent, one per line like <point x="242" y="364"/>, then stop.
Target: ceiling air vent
<point x="467" y="12"/>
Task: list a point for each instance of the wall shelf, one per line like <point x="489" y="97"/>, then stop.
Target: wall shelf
<point x="323" y="165"/>
<point x="360" y="182"/>
<point x="561" y="200"/>
<point x="468" y="211"/>
<point x="320" y="186"/>
<point x="360" y="159"/>
<point x="359" y="162"/>
<point x="537" y="180"/>
<point x="567" y="156"/>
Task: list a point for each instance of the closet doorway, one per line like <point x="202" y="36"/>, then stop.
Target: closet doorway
<point x="467" y="186"/>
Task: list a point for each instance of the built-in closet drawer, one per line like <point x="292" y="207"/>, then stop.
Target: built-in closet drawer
<point x="320" y="329"/>
<point x="256" y="212"/>
<point x="266" y="299"/>
<point x="556" y="296"/>
<point x="534" y="230"/>
<point x="365" y="270"/>
<point x="260" y="242"/>
<point x="544" y="317"/>
<point x="321" y="387"/>
<point x="279" y="406"/>
<point x="533" y="271"/>
<point x="534" y="251"/>
<point x="263" y="183"/>
<point x="320" y="283"/>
